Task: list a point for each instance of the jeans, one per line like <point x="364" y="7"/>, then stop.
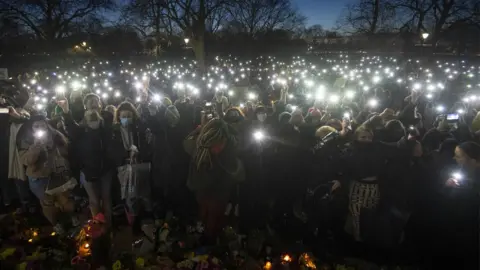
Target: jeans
<point x="99" y="195"/>
<point x="51" y="204"/>
<point x="21" y="186"/>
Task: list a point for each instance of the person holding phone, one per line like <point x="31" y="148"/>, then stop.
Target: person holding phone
<point x="91" y="138"/>
<point x="43" y="150"/>
<point x="457" y="226"/>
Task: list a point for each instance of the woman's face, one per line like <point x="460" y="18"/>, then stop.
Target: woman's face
<point x="92" y="104"/>
<point x="126" y="114"/>
<point x="39" y="126"/>
<point x="364" y="136"/>
<point x="462" y="159"/>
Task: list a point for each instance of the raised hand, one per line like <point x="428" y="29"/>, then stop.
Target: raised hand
<point x="63" y="104"/>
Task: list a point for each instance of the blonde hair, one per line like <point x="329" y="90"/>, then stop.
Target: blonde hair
<point x="110" y="108"/>
<point x="324" y="131"/>
<point x="211" y="134"/>
<point x="362" y="128"/>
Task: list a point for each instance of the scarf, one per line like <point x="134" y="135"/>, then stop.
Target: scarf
<point x="15" y="166"/>
<point x="127" y="138"/>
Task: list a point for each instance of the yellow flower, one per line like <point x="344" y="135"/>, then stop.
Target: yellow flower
<point x="117" y="265"/>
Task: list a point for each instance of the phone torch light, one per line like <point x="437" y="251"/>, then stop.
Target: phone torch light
<point x="457" y="177"/>
<point x="60" y="89"/>
<point x="320" y="96"/>
<point x="251" y="96"/>
<point x="231" y="93"/>
<point x="350" y="94"/>
<point x="334" y="99"/>
<point x="39" y="133"/>
<point x="460" y="111"/>
<point x="76" y="85"/>
<point x="440" y="108"/>
<point x="258" y="135"/>
<point x="138" y="85"/>
<point x="373" y="103"/>
<point x="157" y="98"/>
<point x="242" y="105"/>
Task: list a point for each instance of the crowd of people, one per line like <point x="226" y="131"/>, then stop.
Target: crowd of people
<point x="380" y="172"/>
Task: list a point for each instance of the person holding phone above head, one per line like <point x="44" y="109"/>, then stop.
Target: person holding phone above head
<point x="43" y="151"/>
<point x="90" y="139"/>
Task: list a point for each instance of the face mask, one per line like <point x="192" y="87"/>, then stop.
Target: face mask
<point x="261" y="117"/>
<point x="125" y="121"/>
<point x="93" y="124"/>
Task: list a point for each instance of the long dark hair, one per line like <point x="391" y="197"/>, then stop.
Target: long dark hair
<point x="126" y="106"/>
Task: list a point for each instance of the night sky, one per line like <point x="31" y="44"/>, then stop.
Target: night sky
<point x="323" y="12"/>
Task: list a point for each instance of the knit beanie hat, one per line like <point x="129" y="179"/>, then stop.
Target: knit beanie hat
<point x="284" y="117"/>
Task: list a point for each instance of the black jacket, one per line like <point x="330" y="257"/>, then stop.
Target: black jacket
<point x="90" y="148"/>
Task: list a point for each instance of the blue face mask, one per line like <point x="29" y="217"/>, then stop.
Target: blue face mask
<point x="125" y="121"/>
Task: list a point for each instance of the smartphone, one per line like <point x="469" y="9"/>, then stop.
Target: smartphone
<point x="4" y="111"/>
<point x="413" y="131"/>
<point x="452" y="117"/>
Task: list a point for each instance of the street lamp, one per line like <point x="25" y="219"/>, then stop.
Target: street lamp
<point x="424" y="37"/>
<point x="186" y="40"/>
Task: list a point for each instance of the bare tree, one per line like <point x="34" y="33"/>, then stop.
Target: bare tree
<point x="217" y="19"/>
<point x="150" y="19"/>
<point x="314" y="32"/>
<point x="435" y="16"/>
<point x="368" y="17"/>
<point x="192" y="16"/>
<point x="257" y="16"/>
<point x="413" y="14"/>
<point x="51" y="19"/>
<point x="446" y="13"/>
